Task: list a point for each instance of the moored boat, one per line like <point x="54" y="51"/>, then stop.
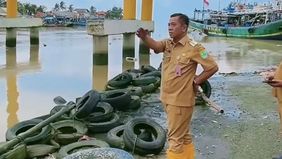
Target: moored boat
<point x="265" y="24"/>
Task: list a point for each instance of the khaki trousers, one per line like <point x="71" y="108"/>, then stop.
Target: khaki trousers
<point x="178" y="120"/>
<point x="280" y="115"/>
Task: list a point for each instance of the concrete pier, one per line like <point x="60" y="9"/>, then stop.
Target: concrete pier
<point x="34" y="36"/>
<point x="11" y="25"/>
<point x="100" y="77"/>
<point x="11" y="37"/>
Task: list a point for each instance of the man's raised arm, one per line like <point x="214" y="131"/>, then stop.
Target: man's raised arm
<point x="150" y="42"/>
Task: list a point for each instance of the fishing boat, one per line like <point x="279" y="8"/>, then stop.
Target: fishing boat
<point x="248" y="22"/>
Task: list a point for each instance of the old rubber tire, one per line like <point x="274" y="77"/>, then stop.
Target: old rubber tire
<point x="81" y="145"/>
<point x="118" y="99"/>
<point x="147" y="68"/>
<point x="141" y="81"/>
<point x="38" y="137"/>
<point x="38" y="150"/>
<point x="68" y="131"/>
<point x="114" y="137"/>
<point x="86" y="103"/>
<point x="106" y="153"/>
<point x="120" y="81"/>
<point x="141" y="146"/>
<point x="153" y="73"/>
<point x="101" y="113"/>
<point x="135" y="103"/>
<point x="206" y="86"/>
<point x="102" y="127"/>
<point x="18" y="152"/>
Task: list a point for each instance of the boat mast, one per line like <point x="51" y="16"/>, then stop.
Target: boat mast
<point x="203" y="10"/>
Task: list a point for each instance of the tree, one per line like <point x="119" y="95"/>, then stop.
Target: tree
<point x="62" y="5"/>
<point x="41" y="8"/>
<point x="93" y="10"/>
<point x="71" y="8"/>
<point x="115" y="13"/>
<point x="2" y="3"/>
<point x="57" y="7"/>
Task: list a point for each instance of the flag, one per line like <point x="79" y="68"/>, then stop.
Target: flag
<point x="206" y="2"/>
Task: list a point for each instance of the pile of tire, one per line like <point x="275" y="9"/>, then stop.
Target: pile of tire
<point x="94" y="112"/>
<point x="147" y="78"/>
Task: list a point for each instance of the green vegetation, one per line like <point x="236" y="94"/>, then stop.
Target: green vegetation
<point x="2" y="3"/>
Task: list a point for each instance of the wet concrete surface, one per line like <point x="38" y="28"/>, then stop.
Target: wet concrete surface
<point x="248" y="129"/>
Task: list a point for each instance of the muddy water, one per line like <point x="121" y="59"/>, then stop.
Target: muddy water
<point x="62" y="64"/>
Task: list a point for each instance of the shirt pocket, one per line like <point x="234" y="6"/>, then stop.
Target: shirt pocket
<point x="183" y="60"/>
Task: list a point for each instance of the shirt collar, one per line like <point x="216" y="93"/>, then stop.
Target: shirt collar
<point x="182" y="41"/>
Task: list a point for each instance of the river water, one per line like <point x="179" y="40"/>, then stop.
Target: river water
<point x="62" y="64"/>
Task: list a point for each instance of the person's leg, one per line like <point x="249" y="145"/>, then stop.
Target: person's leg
<point x="280" y="116"/>
<point x="178" y="119"/>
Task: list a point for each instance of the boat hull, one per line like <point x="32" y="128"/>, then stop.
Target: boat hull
<point x="271" y="31"/>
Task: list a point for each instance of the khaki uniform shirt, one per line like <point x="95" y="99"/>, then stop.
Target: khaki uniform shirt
<point x="277" y="91"/>
<point x="177" y="88"/>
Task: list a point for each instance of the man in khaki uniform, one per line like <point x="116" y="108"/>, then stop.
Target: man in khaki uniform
<point x="274" y="79"/>
<point x="181" y="55"/>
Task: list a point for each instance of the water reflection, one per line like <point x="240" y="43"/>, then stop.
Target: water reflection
<point x="100" y="76"/>
<point x="243" y="55"/>
<point x="12" y="70"/>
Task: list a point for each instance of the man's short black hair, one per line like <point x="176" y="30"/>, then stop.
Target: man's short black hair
<point x="184" y="18"/>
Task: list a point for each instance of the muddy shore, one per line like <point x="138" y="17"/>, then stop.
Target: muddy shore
<point x="248" y="129"/>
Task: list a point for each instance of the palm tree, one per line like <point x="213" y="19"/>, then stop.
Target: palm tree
<point x="62" y="5"/>
<point x="93" y="10"/>
<point x="41" y="8"/>
<point x="57" y="7"/>
<point x="71" y="8"/>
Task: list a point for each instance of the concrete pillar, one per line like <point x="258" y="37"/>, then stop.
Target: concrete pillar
<point x="129" y="9"/>
<point x="143" y="49"/>
<point x="100" y="47"/>
<point x="147" y="10"/>
<point x="34" y="54"/>
<point x="11" y="57"/>
<point x="34" y="36"/>
<point x="128" y="44"/>
<point x="11" y="37"/>
<point x="99" y="77"/>
<point x="12" y="99"/>
<point x="12" y="8"/>
<point x="144" y="59"/>
<point x="128" y="50"/>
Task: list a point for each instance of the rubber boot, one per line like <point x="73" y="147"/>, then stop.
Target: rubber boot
<point x="188" y="153"/>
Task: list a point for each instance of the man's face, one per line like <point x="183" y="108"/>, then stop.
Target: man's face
<point x="175" y="27"/>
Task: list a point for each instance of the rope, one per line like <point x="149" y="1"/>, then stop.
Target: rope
<point x="20" y="139"/>
<point x="134" y="145"/>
